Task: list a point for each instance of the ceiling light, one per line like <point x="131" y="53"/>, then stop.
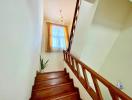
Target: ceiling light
<point x="61" y="17"/>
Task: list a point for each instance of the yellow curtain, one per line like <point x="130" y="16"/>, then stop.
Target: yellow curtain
<point x="49" y="45"/>
<point x="66" y="36"/>
<point x="50" y="37"/>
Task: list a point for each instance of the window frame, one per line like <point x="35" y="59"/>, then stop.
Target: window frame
<point x="49" y="43"/>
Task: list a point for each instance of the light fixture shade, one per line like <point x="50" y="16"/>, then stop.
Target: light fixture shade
<point x="61" y="17"/>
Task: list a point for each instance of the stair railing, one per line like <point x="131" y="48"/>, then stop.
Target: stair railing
<point x="81" y="71"/>
<point x="78" y="2"/>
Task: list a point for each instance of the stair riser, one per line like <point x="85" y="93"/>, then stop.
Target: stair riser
<point x="51" y="83"/>
<point x="51" y="76"/>
<point x="53" y="91"/>
<point x="73" y="96"/>
<point x="51" y="73"/>
<point x="70" y="97"/>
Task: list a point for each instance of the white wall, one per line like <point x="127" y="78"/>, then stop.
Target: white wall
<point x="20" y="41"/>
<point x="103" y="43"/>
<point x="55" y="61"/>
<point x="84" y="21"/>
<point x="118" y="65"/>
<point x="112" y="13"/>
<point x="92" y="41"/>
<point x="55" y="58"/>
<point x="100" y="40"/>
<point x="98" y="29"/>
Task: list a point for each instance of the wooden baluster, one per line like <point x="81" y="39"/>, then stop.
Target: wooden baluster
<point x="73" y="63"/>
<point x="114" y="97"/>
<point x="88" y="87"/>
<point x="86" y="78"/>
<point x="79" y="70"/>
<point x="77" y="66"/>
<point x="98" y="91"/>
<point x="70" y="60"/>
<point x="66" y="57"/>
<point x="81" y="76"/>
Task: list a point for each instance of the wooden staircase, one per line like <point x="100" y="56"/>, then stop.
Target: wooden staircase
<point x="54" y="86"/>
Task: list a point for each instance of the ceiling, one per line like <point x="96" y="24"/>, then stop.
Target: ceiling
<point x="112" y="13"/>
<point x="52" y="10"/>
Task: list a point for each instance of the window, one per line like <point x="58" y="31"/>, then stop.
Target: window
<point x="57" y="37"/>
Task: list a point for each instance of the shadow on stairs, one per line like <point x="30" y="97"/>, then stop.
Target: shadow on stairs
<point x="54" y="86"/>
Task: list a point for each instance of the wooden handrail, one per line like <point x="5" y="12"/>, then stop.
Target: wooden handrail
<point x="74" y="24"/>
<point x="80" y="70"/>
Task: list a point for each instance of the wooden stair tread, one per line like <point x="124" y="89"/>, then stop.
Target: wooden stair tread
<point x="50" y="76"/>
<point x="54" y="86"/>
<point x="65" y="96"/>
<point x="66" y="77"/>
<point x="51" y="83"/>
<point x="37" y="81"/>
<point x="55" y="89"/>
